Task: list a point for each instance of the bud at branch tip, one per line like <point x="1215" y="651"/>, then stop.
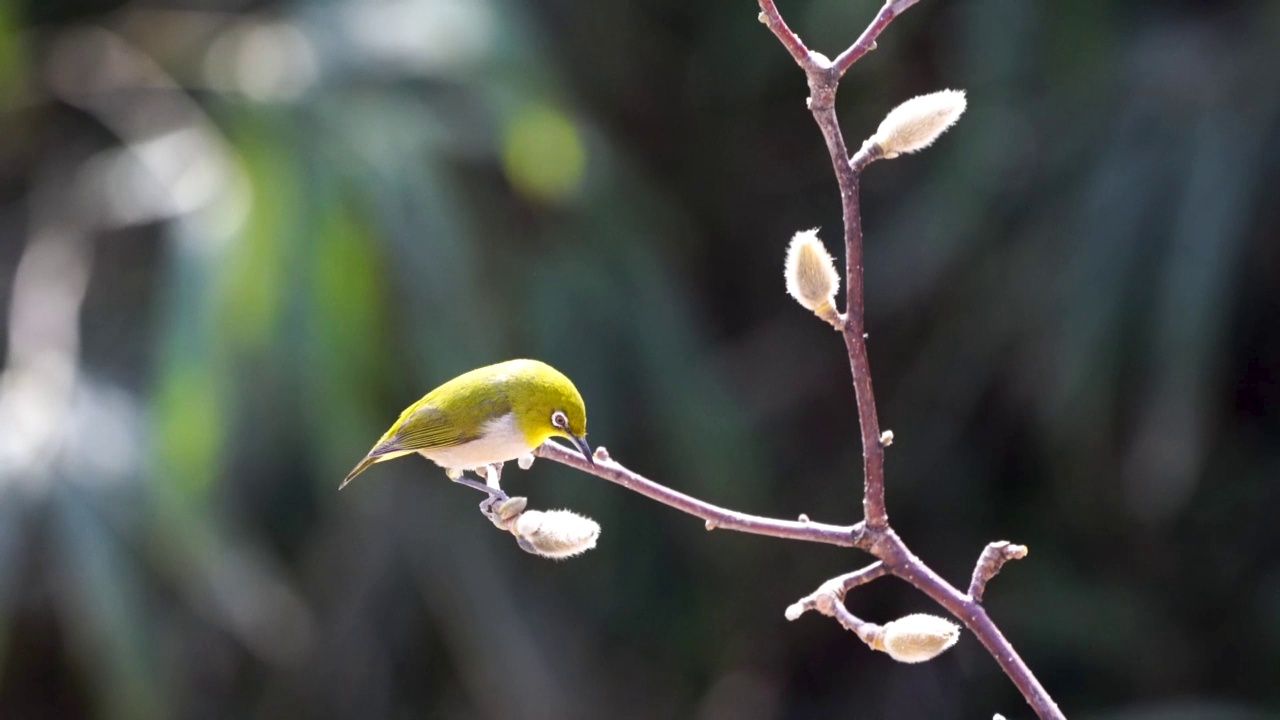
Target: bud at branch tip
<point x="916" y="123"/>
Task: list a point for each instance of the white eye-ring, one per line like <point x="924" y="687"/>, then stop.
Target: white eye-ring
<point x="559" y="420"/>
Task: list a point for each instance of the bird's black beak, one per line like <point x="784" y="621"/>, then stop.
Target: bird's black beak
<point x="584" y="448"/>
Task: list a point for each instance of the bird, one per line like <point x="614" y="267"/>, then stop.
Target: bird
<point x="483" y="418"/>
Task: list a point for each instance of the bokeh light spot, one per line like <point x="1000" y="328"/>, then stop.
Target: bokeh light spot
<point x="543" y="154"/>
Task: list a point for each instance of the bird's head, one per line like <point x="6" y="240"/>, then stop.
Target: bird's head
<point x="550" y="406"/>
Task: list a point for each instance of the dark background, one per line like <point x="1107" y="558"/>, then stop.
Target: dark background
<point x="236" y="238"/>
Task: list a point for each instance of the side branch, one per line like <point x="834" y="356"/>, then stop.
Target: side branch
<point x="992" y="559"/>
<point x="867" y="41"/>
<point x="772" y="19"/>
<point x="715" y="516"/>
<point x="832" y="592"/>
<point x="907" y="566"/>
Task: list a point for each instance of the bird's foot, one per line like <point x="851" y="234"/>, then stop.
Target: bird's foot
<point x="493" y="474"/>
<point x="502" y="513"/>
<point x="491" y="490"/>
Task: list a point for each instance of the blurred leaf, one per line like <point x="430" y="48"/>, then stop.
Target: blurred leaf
<point x="104" y="604"/>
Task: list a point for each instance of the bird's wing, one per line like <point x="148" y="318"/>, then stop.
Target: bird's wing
<point x="420" y="428"/>
<point x="423" y="426"/>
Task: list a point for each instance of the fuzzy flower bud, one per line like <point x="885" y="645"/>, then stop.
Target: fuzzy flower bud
<point x="556" y="533"/>
<point x="916" y="123"/>
<point x="917" y="638"/>
<point x="811" y="274"/>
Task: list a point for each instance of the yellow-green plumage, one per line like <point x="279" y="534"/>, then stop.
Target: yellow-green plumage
<point x="489" y="415"/>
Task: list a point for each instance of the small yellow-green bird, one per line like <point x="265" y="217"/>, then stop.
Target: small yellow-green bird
<point x="487" y="416"/>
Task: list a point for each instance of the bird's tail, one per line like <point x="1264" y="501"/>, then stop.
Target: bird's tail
<point x="360" y="467"/>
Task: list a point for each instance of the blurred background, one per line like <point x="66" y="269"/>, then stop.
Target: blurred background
<point x="237" y="237"/>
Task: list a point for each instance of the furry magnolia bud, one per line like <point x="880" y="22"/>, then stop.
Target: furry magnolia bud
<point x="917" y="638"/>
<point x="916" y="123"/>
<point x="556" y="533"/>
<point x="811" y="274"/>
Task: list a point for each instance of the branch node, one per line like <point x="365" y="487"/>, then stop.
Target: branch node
<point x="886" y="438"/>
<point x="993" y="557"/>
<point x="828" y="599"/>
<point x="803" y="518"/>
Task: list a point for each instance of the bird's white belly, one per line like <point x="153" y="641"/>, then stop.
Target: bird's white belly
<point x="500" y="441"/>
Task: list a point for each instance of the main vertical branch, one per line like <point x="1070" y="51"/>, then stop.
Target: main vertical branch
<point x="855" y="335"/>
<point x="824" y="79"/>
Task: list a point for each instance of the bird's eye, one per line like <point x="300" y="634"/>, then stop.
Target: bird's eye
<point x="559" y="420"/>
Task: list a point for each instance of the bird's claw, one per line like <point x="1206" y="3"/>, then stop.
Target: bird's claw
<point x="503" y="511"/>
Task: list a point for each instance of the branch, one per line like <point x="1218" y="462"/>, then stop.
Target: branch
<point x="773" y="20"/>
<point x="874" y="534"/>
<point x="824" y="78"/>
<point x="992" y="559"/>
<point x="895" y="556"/>
<point x="833" y="591"/>
<point x="715" y="516"/>
<point x="904" y="564"/>
<point x="867" y="41"/>
<point x="828" y="599"/>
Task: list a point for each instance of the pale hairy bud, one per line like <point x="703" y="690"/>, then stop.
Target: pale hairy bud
<point x="556" y="533"/>
<point x="811" y="274"/>
<point x="916" y="123"/>
<point x="916" y="638"/>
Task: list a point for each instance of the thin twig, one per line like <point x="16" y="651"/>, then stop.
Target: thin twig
<point x="715" y="516"/>
<point x="866" y="631"/>
<point x="835" y="590"/>
<point x="867" y="41"/>
<point x="773" y="20"/>
<point x="992" y="559"/>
